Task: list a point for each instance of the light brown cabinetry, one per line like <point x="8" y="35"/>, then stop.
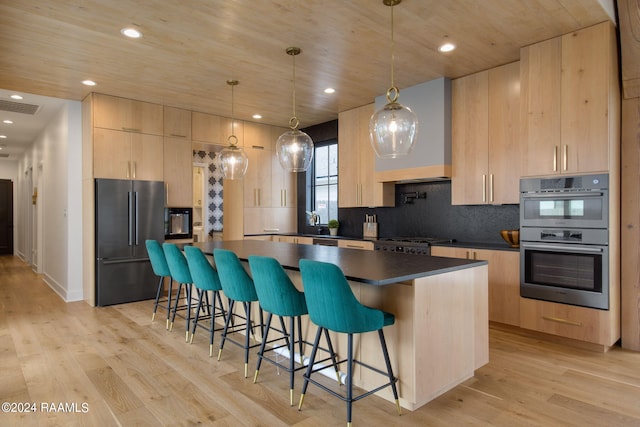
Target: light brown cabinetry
<point x="485" y="137"/>
<point x="504" y="279"/>
<point x="111" y="112"/>
<point x="127" y="155"/>
<point x="178" y="158"/>
<point x="178" y="174"/>
<point x="215" y="129"/>
<point x="283" y="182"/>
<point x="569" y="103"/>
<point x="269" y="191"/>
<point x="599" y="327"/>
<point x="299" y="240"/>
<point x="356" y="165"/>
<point x="356" y="244"/>
<point x="177" y="123"/>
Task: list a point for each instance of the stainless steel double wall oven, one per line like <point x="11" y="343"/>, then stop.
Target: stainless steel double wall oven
<point x="564" y="239"/>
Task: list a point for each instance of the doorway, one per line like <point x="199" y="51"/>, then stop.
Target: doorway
<point x="6" y="217"/>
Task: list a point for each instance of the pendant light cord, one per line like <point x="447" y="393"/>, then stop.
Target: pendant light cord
<point x="392" y="50"/>
<point x="233" y="139"/>
<point x="294" y="122"/>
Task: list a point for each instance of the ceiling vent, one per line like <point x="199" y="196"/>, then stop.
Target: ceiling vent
<point x="18" y="107"/>
<point x="4" y="156"/>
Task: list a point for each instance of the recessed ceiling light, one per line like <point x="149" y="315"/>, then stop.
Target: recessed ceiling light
<point x="132" y="33"/>
<point x="3" y="136"/>
<point x="88" y="83"/>
<point x="329" y="90"/>
<point x="9" y="122"/>
<point x="16" y="97"/>
<point x="257" y="116"/>
<point x="447" y="47"/>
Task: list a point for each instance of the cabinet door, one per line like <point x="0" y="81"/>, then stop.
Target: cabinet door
<point x="355" y="244"/>
<point x="283" y="183"/>
<point x="117" y="113"/>
<point x="585" y="99"/>
<point x="111" y="154"/>
<point x="470" y="139"/>
<point x="540" y="82"/>
<point x="504" y="134"/>
<point x="215" y="129"/>
<point x="178" y="172"/>
<point x="348" y="159"/>
<point x="177" y="123"/>
<point x="257" y="181"/>
<point x="147" y="155"/>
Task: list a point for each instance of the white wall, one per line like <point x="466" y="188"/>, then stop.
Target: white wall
<point x="55" y="159"/>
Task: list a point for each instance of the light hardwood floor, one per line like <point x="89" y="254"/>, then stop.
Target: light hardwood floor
<point x="130" y="371"/>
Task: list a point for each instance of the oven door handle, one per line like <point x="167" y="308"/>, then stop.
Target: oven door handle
<point x="565" y="248"/>
<point x="562" y="195"/>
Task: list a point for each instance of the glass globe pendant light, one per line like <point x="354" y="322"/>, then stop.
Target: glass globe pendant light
<point x="393" y="129"/>
<point x="294" y="148"/>
<point x="233" y="159"/>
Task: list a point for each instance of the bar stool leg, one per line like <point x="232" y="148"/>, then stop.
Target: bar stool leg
<point x="188" y="287"/>
<point x="262" y="346"/>
<point x="226" y="327"/>
<point x="349" y="377"/>
<point x="312" y="360"/>
<point x="166" y="326"/>
<point x="195" y="320"/>
<point x="175" y="307"/>
<point x="158" y="292"/>
<point x="247" y="310"/>
<point x="292" y="355"/>
<point x="392" y="378"/>
<point x="333" y="355"/>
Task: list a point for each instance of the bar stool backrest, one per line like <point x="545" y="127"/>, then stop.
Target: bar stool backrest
<point x="158" y="260"/>
<point x="177" y="263"/>
<point x="204" y="276"/>
<point x="331" y="302"/>
<point x="236" y="282"/>
<point x="276" y="292"/>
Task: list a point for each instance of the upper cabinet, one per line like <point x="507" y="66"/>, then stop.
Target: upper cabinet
<point x="283" y="183"/>
<point x="177" y="123"/>
<point x="485" y="134"/>
<point x="127" y="155"/>
<point x="570" y="103"/>
<point x="215" y="129"/>
<point x="111" y="112"/>
<point x="178" y="174"/>
<point x="356" y="166"/>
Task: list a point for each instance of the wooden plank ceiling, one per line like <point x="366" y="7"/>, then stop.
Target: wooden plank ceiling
<point x="191" y="47"/>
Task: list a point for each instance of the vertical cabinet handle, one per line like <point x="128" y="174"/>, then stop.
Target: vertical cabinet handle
<point x="555" y="158"/>
<point x="484" y="188"/>
<point x="134" y="170"/>
<point x="128" y="170"/>
<point x="565" y="156"/>
<point x="491" y="188"/>
<point x="167" y="190"/>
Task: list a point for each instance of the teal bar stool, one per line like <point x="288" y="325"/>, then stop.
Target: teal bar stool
<point x="160" y="269"/>
<point x="238" y="286"/>
<point x="279" y="296"/>
<point x="205" y="279"/>
<point x="333" y="306"/>
<point x="180" y="273"/>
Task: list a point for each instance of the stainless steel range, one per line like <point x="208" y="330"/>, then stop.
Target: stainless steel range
<point x="408" y="245"/>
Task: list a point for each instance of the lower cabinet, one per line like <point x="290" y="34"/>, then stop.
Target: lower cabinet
<point x="504" y="280"/>
<point x="356" y="244"/>
<point x="591" y="325"/>
<point x="299" y="240"/>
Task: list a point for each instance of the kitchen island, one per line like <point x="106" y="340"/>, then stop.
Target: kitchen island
<point x="441" y="334"/>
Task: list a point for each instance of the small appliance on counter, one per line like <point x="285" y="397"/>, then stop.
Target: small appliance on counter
<point x="370" y="227"/>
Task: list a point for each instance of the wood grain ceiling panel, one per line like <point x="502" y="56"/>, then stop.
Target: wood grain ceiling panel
<point x="190" y="48"/>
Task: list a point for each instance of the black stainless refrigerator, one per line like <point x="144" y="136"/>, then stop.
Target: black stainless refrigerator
<point x="127" y="214"/>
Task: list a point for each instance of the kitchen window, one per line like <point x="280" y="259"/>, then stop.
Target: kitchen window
<point x="324" y="185"/>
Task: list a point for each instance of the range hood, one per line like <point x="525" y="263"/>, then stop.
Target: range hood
<point x="430" y="159"/>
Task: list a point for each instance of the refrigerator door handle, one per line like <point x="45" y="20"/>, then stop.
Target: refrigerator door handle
<point x="137" y="219"/>
<point x="130" y="219"/>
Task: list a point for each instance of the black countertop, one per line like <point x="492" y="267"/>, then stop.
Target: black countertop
<point x="372" y="267"/>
